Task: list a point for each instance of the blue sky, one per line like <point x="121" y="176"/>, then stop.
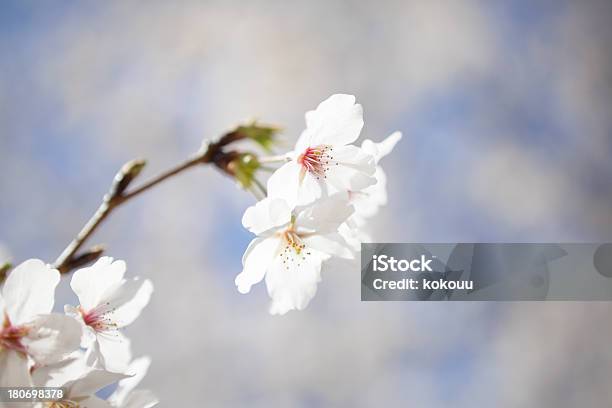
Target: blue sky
<point x="506" y="138"/>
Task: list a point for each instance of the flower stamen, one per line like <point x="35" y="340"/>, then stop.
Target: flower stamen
<point x="317" y="160"/>
<point x="100" y="319"/>
<point x="294" y="251"/>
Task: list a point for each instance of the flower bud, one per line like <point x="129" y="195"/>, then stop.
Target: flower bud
<point x="4" y="269"/>
<point x="263" y="135"/>
<point x="243" y="167"/>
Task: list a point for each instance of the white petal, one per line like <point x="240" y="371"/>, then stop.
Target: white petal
<point x="62" y="372"/>
<point x="293" y="288"/>
<point x="303" y="141"/>
<point x="337" y="121"/>
<point x="88" y="335"/>
<point x="331" y="244"/>
<point x="310" y="189"/>
<point x="51" y="337"/>
<point x="90" y="284"/>
<point x="92" y="382"/>
<point x="14" y="369"/>
<point x="256" y="260"/>
<point x="95" y="402"/>
<point x="350" y="236"/>
<point x="267" y="214"/>
<point x="355" y="157"/>
<point x="380" y="150"/>
<point x="368" y="200"/>
<point x="29" y="291"/>
<point x="324" y="215"/>
<point x="354" y="172"/>
<point x="128" y="300"/>
<point x="93" y="357"/>
<point x="137" y="369"/>
<point x="284" y="183"/>
<point x="357" y="226"/>
<point x="140" y="399"/>
<point x="114" y="349"/>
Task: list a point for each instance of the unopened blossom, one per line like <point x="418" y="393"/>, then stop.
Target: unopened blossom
<point x="30" y="335"/>
<point x="290" y="246"/>
<point x="126" y="396"/>
<point x="108" y="302"/>
<point x="324" y="160"/>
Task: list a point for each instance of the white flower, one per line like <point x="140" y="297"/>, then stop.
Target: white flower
<point x="82" y="391"/>
<point x="108" y="302"/>
<point x="354" y="234"/>
<point x="29" y="334"/>
<point x="125" y="396"/>
<point x="79" y="382"/>
<point x="324" y="161"/>
<point x="368" y="200"/>
<point x="290" y="248"/>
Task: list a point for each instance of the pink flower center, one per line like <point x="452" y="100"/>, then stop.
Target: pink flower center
<point x="317" y="160"/>
<point x="100" y="318"/>
<point x="10" y="336"/>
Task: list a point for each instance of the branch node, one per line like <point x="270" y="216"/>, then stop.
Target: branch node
<point x="128" y="172"/>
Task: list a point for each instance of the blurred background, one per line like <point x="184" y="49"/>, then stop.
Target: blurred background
<point x="505" y="110"/>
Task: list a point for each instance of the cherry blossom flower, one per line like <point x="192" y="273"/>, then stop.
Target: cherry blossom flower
<point x="29" y="335"/>
<point x="368" y="201"/>
<point x="79" y="382"/>
<point x="324" y="161"/>
<point x="108" y="302"/>
<point x="82" y="391"/>
<point x="125" y="396"/>
<point x="290" y="247"/>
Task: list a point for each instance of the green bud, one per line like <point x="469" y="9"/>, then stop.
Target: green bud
<point x="4" y="268"/>
<point x="243" y="168"/>
<point x="264" y="136"/>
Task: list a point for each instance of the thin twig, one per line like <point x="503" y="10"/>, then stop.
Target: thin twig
<point x="69" y="259"/>
<point x="210" y="153"/>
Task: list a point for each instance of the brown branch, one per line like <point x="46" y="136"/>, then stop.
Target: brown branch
<point x="119" y="192"/>
<point x="118" y="195"/>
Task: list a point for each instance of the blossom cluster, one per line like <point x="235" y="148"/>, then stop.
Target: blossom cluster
<point x="82" y="350"/>
<point x="316" y="206"/>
